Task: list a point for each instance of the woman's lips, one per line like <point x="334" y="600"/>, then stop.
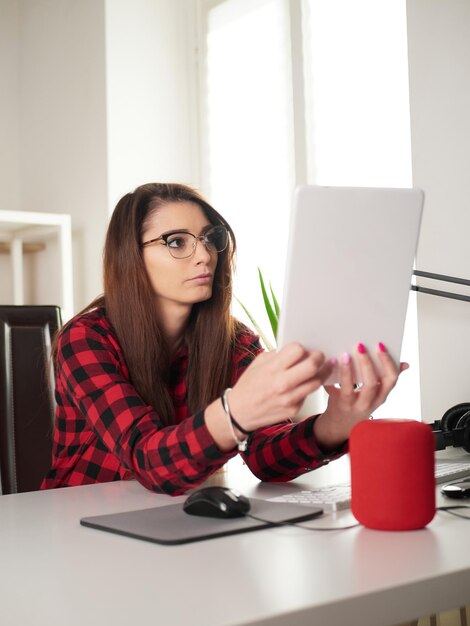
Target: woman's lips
<point x="202" y="279"/>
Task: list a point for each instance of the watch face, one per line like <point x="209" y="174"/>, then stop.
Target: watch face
<point x="457" y="490"/>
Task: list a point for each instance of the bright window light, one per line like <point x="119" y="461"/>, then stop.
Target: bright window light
<point x="249" y="134"/>
<point x="357" y="93"/>
<point x="358" y="121"/>
<point x="356" y="114"/>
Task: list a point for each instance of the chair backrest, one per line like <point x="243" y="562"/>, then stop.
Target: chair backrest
<point x="27" y="403"/>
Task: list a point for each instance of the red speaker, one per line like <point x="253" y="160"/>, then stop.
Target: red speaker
<point x="392" y="474"/>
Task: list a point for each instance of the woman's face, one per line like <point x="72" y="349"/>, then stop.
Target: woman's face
<point x="178" y="281"/>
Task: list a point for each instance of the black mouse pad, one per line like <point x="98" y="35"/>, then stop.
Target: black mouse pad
<point x="171" y="525"/>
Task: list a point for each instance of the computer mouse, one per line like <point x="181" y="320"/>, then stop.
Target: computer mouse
<point x="216" y="502"/>
<point x="460" y="489"/>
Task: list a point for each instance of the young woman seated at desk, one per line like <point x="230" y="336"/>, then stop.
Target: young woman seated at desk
<point x="155" y="380"/>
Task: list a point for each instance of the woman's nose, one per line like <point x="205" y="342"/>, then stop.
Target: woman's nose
<point x="201" y="253"/>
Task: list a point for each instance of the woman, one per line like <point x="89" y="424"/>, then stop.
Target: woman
<point x="143" y="375"/>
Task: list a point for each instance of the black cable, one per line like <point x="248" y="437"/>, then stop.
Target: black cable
<point x="450" y="510"/>
<point x="266" y="521"/>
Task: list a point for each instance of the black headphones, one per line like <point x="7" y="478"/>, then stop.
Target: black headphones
<point x="453" y="429"/>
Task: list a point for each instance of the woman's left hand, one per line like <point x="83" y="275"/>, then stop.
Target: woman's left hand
<point x="348" y="405"/>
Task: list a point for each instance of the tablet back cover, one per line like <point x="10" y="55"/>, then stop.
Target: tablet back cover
<point x="349" y="267"/>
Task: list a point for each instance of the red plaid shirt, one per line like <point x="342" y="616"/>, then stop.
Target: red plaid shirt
<point x="105" y="431"/>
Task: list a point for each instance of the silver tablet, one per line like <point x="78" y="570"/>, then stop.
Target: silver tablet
<point x="349" y="266"/>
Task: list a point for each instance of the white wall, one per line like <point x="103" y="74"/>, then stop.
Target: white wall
<point x="52" y="108"/>
<point x="63" y="127"/>
<point x="439" y="59"/>
<point x="9" y="124"/>
<point x="9" y="114"/>
<point x="151" y="99"/>
<point x="97" y="97"/>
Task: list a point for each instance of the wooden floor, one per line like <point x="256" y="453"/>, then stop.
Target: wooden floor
<point x="456" y="617"/>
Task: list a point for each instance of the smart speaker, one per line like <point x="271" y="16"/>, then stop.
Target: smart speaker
<point x="392" y="474"/>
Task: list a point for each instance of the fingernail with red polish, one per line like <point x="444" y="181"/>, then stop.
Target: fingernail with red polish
<point x="382" y="348"/>
<point x="345" y="359"/>
<point x="361" y="348"/>
<point x="333" y="362"/>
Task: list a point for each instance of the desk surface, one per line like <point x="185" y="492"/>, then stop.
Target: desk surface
<point x="54" y="571"/>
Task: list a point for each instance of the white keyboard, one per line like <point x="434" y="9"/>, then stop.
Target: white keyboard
<point x="332" y="498"/>
<point x="338" y="497"/>
<point x="451" y="470"/>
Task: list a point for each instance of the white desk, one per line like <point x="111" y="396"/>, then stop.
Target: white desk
<point x="54" y="571"/>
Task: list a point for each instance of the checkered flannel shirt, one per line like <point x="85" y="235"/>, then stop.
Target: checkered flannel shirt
<point x="104" y="430"/>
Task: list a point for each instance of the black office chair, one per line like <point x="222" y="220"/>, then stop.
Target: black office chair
<point x="27" y="403"/>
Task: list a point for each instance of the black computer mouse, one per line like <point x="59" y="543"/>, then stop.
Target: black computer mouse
<point x="216" y="502"/>
<point x="460" y="489"/>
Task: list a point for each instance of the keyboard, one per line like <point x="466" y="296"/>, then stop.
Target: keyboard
<point x="332" y="498"/>
<point x="451" y="470"/>
<point x="338" y="497"/>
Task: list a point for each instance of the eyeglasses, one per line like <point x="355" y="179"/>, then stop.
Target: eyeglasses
<point x="182" y="245"/>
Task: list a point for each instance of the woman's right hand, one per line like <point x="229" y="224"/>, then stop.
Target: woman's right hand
<point x="275" y="385"/>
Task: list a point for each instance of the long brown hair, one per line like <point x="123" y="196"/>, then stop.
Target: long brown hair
<point x="129" y="300"/>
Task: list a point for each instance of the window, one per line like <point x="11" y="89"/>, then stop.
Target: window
<point x="301" y="91"/>
<point x="358" y="123"/>
<point x="249" y="174"/>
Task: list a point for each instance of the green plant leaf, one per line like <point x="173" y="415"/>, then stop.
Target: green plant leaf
<point x="268" y="306"/>
<point x="275" y="302"/>
<point x="266" y="341"/>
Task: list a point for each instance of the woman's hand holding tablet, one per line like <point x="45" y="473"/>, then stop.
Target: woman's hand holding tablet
<point x="349" y="403"/>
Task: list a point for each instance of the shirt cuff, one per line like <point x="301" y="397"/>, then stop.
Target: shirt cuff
<point x="308" y="443"/>
<point x="203" y="450"/>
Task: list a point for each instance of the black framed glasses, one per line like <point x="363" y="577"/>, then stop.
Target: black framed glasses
<point x="182" y="244"/>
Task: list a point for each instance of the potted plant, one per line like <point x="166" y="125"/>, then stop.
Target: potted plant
<point x="271" y="306"/>
<point x="315" y="402"/>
